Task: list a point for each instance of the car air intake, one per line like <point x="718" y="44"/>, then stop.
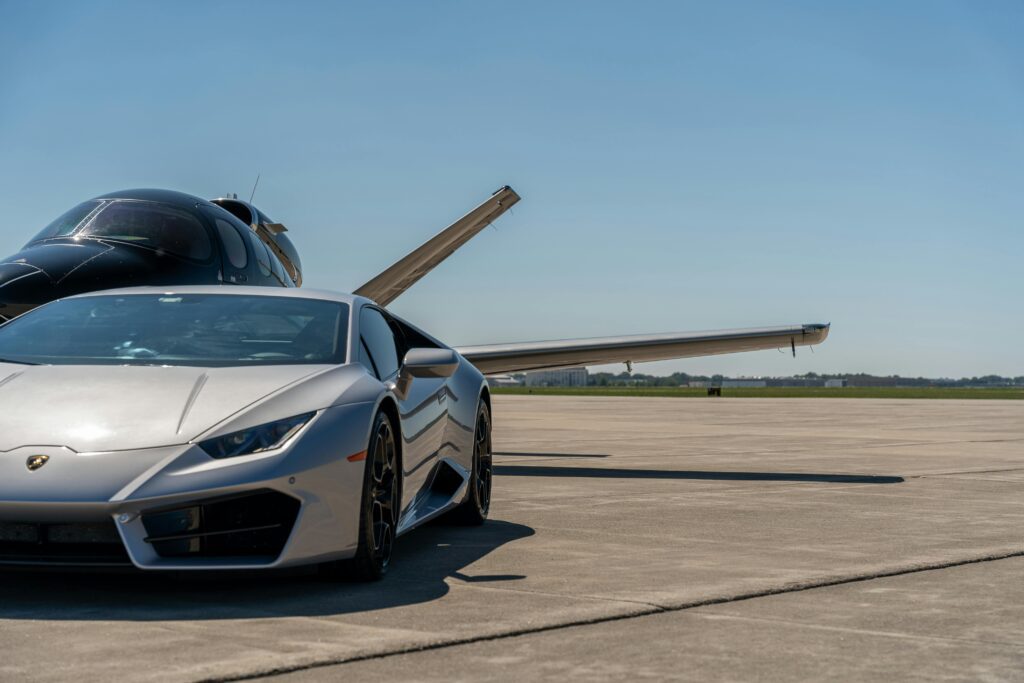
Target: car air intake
<point x="94" y="544"/>
<point x="250" y="525"/>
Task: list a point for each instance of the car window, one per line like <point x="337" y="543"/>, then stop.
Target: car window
<point x="364" y="357"/>
<point x="234" y="247"/>
<point x="379" y="341"/>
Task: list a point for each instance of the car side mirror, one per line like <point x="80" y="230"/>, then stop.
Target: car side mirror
<point x="424" y="362"/>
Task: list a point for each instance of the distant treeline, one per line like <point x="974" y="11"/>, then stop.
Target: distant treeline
<point x="859" y="379"/>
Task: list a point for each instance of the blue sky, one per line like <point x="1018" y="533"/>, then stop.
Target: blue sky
<point x="684" y="166"/>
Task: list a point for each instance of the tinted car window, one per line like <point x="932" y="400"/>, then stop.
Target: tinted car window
<point x="234" y="247"/>
<point x="363" y="356"/>
<point x="380" y="341"/>
<point x="153" y="225"/>
<point x="179" y="329"/>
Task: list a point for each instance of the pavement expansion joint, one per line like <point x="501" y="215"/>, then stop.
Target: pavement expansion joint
<point x="953" y="474"/>
<point x="858" y="631"/>
<point x="572" y="596"/>
<point x="657" y="609"/>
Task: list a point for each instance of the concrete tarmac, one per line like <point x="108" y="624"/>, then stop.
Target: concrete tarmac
<point x="689" y="539"/>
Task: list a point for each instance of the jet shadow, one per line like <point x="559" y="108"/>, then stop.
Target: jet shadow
<point x="422" y="562"/>
<point x="620" y="473"/>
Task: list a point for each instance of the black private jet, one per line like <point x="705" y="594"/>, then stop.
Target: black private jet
<point x="148" y="237"/>
<point x="166" y="238"/>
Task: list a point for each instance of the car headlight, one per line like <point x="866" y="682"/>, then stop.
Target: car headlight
<point x="265" y="437"/>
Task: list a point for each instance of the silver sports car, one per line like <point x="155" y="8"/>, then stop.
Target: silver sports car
<point x="215" y="427"/>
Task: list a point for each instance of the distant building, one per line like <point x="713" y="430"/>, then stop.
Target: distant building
<point x="505" y="380"/>
<point x="835" y="383"/>
<point x="736" y="383"/>
<point x="868" y="381"/>
<point x="727" y="383"/>
<point x="795" y="382"/>
<point x="565" y="377"/>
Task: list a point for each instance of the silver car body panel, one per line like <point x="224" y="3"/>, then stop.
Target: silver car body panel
<point x="82" y="416"/>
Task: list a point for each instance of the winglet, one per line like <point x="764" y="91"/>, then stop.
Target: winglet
<point x="387" y="286"/>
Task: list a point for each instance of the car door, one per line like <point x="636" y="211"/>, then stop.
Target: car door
<point x="423" y="410"/>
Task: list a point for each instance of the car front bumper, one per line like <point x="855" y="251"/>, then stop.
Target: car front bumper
<point x="176" y="508"/>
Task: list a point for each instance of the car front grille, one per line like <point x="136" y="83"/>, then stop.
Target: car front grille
<point x="94" y="543"/>
<point x="254" y="525"/>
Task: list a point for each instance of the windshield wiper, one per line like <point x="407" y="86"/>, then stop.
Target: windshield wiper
<point x="19" y="362"/>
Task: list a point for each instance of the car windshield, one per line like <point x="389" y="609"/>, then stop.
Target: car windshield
<point x="148" y="224"/>
<point x="179" y="329"/>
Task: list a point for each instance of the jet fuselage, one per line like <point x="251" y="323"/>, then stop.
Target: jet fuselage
<point x="147" y="237"/>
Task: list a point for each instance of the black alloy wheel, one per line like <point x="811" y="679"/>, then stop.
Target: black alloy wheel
<point x="483" y="467"/>
<point x="383" y="491"/>
<point x="473" y="511"/>
<point x="381" y="502"/>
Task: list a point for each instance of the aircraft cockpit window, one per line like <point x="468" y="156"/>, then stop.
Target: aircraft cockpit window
<point x="68" y="222"/>
<point x="262" y="255"/>
<point x="234" y="247"/>
<point x="153" y="225"/>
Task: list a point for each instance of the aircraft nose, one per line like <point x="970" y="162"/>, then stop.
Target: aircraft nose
<point x="23" y="287"/>
<point x="40" y="273"/>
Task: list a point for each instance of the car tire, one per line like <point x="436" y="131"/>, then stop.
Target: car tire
<point x="473" y="511"/>
<point x="379" y="509"/>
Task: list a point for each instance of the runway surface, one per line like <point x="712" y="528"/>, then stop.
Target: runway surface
<point x="691" y="539"/>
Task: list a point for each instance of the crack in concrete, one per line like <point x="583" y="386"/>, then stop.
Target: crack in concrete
<point x="662" y="609"/>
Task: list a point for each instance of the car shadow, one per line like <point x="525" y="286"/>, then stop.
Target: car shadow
<point x="423" y="561"/>
<point x="552" y="455"/>
<point x="623" y="473"/>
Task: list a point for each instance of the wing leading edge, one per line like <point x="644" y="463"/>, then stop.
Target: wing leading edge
<point x="517" y="357"/>
<point x="403" y="274"/>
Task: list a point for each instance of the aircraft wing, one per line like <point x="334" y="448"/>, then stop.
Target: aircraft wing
<point x="387" y="286"/>
<point x="517" y="357"/>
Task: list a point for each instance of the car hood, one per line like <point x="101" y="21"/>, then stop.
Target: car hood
<point x="92" y="408"/>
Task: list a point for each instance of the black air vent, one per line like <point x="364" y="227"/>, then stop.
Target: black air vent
<point x="68" y="544"/>
<point x="446" y="480"/>
<point x="251" y="525"/>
